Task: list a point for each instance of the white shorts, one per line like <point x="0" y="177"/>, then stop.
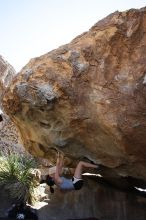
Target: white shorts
<point x="75" y="180"/>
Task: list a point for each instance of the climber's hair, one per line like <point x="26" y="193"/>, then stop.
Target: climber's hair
<point x="50" y="182"/>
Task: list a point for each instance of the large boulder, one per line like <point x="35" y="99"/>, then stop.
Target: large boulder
<point x="94" y="201"/>
<point x="88" y="98"/>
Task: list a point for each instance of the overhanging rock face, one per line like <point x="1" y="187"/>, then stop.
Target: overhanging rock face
<point x="88" y="98"/>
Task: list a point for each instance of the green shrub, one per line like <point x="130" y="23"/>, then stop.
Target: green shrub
<point x="15" y="176"/>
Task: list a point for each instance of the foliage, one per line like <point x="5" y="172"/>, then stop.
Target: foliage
<point x="15" y="176"/>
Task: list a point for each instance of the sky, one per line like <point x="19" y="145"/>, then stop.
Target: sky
<point x="30" y="28"/>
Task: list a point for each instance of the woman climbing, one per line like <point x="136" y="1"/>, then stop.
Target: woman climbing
<point x="63" y="183"/>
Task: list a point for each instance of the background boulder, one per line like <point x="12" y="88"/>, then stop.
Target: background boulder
<point x="7" y="72"/>
<point x="10" y="140"/>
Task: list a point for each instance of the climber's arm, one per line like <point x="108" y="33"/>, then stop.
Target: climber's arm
<point x="59" y="166"/>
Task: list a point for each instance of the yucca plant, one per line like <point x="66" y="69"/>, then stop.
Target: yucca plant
<point x="15" y="176"/>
